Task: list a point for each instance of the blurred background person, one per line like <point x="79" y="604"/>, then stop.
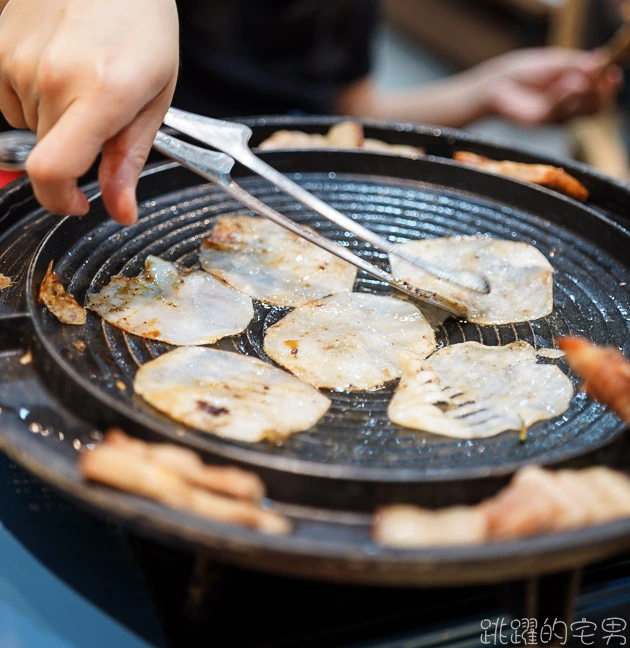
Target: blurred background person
<point x="249" y="57"/>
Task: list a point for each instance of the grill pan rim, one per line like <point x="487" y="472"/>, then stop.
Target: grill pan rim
<point x="465" y="566"/>
<point x="190" y="531"/>
<point x="261" y="460"/>
<point x="454" y="137"/>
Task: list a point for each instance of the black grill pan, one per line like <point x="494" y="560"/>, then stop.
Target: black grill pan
<point x="327" y="480"/>
<point x="365" y="459"/>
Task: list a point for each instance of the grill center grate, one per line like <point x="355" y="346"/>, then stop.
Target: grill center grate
<point x="591" y="299"/>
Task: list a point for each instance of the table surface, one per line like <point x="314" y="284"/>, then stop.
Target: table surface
<point x="67" y="579"/>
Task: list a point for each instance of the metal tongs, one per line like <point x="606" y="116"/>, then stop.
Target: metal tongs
<point x="231" y="138"/>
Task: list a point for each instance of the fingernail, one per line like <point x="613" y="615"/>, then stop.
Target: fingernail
<point x="80" y="204"/>
<point x="130" y="209"/>
<point x="614" y="74"/>
<point x="131" y="218"/>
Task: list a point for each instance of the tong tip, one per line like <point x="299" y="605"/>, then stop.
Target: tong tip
<point x="478" y="283"/>
<point x="467" y="280"/>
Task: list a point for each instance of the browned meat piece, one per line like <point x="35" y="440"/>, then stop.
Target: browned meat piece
<point x="187" y="464"/>
<point x="63" y="306"/>
<point x="605" y="370"/>
<point x="542" y="174"/>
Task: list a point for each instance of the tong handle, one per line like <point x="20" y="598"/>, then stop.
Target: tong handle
<point x="211" y="165"/>
<point x="232" y="138"/>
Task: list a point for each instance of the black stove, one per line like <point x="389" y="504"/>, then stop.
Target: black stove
<point x="54" y="402"/>
<point x="168" y="597"/>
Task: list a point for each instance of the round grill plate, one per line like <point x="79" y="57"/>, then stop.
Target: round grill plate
<point x="355" y="440"/>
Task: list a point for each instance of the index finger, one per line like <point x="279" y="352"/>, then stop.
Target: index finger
<point x="66" y="152"/>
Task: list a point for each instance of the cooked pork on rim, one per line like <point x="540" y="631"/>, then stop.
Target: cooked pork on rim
<point x="62" y="305"/>
<point x="541" y="174"/>
<point x="605" y="370"/>
<point x="536" y="501"/>
<point x="344" y="135"/>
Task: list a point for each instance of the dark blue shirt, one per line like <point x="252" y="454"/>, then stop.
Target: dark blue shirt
<point x="246" y="57"/>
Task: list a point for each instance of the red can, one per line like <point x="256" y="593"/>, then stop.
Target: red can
<point x="14" y="149"/>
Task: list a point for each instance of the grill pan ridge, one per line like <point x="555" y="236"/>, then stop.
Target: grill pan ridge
<point x="326" y="481"/>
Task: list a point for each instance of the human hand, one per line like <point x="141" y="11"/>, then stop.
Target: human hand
<point x="536" y="86"/>
<point x="87" y="75"/>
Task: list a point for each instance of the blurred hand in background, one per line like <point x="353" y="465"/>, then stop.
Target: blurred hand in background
<point x="528" y="86"/>
<point x="551" y="84"/>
